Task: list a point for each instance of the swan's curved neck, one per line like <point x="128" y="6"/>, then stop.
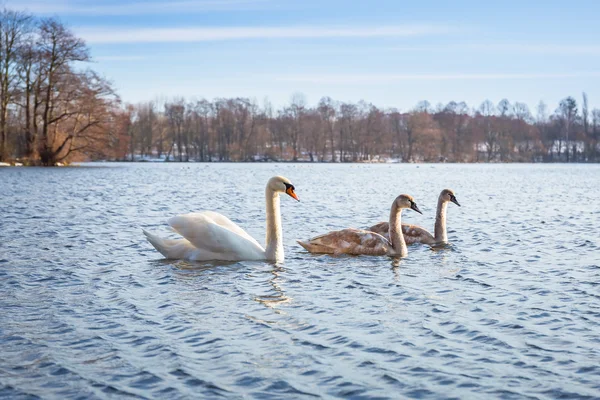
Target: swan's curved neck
<point x="396" y="236"/>
<point x="274" y="242"/>
<point x="440" y="221"/>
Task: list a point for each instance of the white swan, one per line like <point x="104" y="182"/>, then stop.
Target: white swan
<point x="364" y="242"/>
<point x="212" y="236"/>
<point x="416" y="234"/>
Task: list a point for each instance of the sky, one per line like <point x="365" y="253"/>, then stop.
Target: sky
<point x="392" y="53"/>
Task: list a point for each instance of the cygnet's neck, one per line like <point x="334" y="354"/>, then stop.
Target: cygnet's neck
<point x="440" y="221"/>
<point x="274" y="242"/>
<point x="396" y="236"/>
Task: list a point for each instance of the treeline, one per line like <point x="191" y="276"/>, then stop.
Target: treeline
<point x="53" y="109"/>
<point x="241" y="130"/>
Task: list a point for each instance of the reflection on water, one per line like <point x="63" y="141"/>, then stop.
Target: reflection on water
<point x="273" y="300"/>
<point x="195" y="265"/>
<point x="509" y="309"/>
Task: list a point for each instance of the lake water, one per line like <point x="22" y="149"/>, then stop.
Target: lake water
<point x="88" y="309"/>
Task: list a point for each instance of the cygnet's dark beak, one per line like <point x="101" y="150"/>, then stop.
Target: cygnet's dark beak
<point x="453" y="199"/>
<point x="413" y="206"/>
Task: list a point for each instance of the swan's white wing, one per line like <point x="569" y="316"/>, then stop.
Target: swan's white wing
<point x="215" y="233"/>
<point x="178" y="249"/>
<point x="225" y="222"/>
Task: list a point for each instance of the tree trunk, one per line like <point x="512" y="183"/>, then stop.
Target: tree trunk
<point x="409" y="135"/>
<point x="2" y="145"/>
<point x="179" y="145"/>
<point x="332" y="144"/>
<point x="29" y="135"/>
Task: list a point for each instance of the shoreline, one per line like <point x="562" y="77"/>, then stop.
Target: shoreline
<point x="78" y="163"/>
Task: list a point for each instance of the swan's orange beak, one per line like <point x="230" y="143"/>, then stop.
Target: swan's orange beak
<point x="291" y="193"/>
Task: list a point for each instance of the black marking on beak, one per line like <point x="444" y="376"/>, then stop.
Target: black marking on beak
<point x="453" y="199"/>
<point x="290" y="191"/>
<point x="413" y="206"/>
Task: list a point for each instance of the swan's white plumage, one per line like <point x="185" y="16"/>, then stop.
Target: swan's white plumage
<point x="208" y="235"/>
<point x="175" y="249"/>
<point x="209" y="217"/>
<point x="214" y="232"/>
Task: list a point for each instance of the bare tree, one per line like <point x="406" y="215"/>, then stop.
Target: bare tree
<point x="52" y="110"/>
<point x="14" y="30"/>
<point x="296" y="112"/>
<point x="59" y="48"/>
<point x="453" y="120"/>
<point x="85" y="129"/>
<point x="348" y="127"/>
<point x="175" y="114"/>
<point x="490" y="134"/>
<point x="586" y="125"/>
<point x="423" y="106"/>
<point x="595" y="133"/>
<point x="567" y="112"/>
<point x="30" y="63"/>
<point x="521" y="129"/>
<point x="326" y="109"/>
<point x="398" y="130"/>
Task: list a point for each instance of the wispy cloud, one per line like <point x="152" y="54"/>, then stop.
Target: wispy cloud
<point x="482" y="48"/>
<point x="119" y="58"/>
<point x="136" y="8"/>
<point x="512" y="48"/>
<point x="336" y="79"/>
<point x="558" y="49"/>
<point x="161" y="35"/>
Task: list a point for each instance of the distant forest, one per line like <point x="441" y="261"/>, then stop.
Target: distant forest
<point x="53" y="110"/>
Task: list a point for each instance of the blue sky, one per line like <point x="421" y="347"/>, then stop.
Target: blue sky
<point x="390" y="53"/>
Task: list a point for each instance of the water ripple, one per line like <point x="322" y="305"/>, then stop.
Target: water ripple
<point x="508" y="310"/>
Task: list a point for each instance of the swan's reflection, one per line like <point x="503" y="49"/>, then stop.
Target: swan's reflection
<point x="201" y="266"/>
<point x="441" y="247"/>
<point x="189" y="267"/>
<point x="446" y="254"/>
<point x="396" y="262"/>
<point x="272" y="301"/>
<point x="185" y="267"/>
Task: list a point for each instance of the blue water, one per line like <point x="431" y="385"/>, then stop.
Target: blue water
<point x="511" y="309"/>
